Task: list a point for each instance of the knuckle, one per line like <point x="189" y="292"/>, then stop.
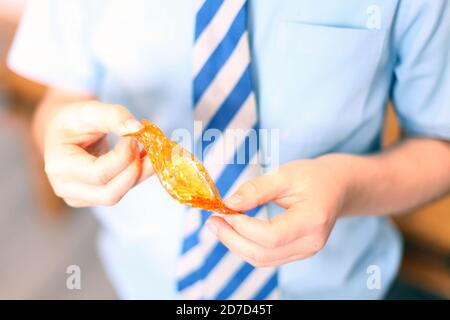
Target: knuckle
<point x="321" y="221"/>
<point x="254" y="263"/>
<point x="257" y="259"/>
<point x="318" y="244"/>
<point x="107" y="202"/>
<point x="52" y="168"/>
<point x="100" y="175"/>
<point x="274" y="240"/>
<point x="69" y="202"/>
<point x="251" y="255"/>
<point x="259" y="264"/>
<point x="73" y="204"/>
<point x="58" y="192"/>
<point x="108" y="199"/>
<point x="312" y="253"/>
<point x="248" y="188"/>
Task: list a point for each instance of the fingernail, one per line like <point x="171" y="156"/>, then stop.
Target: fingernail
<point x="132" y="125"/>
<point x="233" y="200"/>
<point x="212" y="227"/>
<point x="142" y="154"/>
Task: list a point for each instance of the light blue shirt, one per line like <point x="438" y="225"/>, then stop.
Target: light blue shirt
<point x="324" y="71"/>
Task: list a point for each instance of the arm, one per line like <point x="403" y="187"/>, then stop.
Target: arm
<point x="317" y="192"/>
<point x="406" y="176"/>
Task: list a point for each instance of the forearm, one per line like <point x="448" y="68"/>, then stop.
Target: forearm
<point x="53" y="100"/>
<point x="401" y="178"/>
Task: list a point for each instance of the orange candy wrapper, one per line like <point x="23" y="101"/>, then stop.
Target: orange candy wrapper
<point x="179" y="172"/>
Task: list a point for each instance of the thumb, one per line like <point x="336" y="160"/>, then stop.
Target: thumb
<point x="256" y="192"/>
<point x="96" y="117"/>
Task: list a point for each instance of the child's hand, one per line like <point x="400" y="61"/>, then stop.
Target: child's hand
<point x="312" y="192"/>
<point x="81" y="168"/>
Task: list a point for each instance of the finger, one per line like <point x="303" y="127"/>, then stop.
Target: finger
<point x="280" y="230"/>
<point x="146" y="170"/>
<point x="109" y="165"/>
<point x="256" y="192"/>
<point x="251" y="252"/>
<point x="247" y="250"/>
<point x="92" y="117"/>
<point x="79" y="166"/>
<point x="114" y="191"/>
<point x="258" y="255"/>
<point x="106" y="195"/>
<point x="299" y="249"/>
<point x="76" y="203"/>
<point x="280" y="262"/>
<point x="143" y="153"/>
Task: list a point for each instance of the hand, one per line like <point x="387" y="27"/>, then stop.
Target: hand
<point x="313" y="193"/>
<point x="81" y="168"/>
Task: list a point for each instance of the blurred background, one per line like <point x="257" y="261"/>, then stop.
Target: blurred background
<point x="40" y="236"/>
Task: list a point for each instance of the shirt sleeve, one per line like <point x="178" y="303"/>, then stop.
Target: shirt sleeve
<point x="52" y="45"/>
<point x="421" y="86"/>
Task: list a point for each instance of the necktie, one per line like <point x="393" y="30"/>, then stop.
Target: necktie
<point x="224" y="104"/>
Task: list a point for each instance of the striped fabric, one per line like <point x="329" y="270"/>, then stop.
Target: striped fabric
<point x="223" y="101"/>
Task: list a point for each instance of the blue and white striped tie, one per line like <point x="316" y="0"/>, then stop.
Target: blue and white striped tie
<point x="223" y="99"/>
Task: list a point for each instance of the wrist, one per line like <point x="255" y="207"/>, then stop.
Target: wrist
<point x="343" y="168"/>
